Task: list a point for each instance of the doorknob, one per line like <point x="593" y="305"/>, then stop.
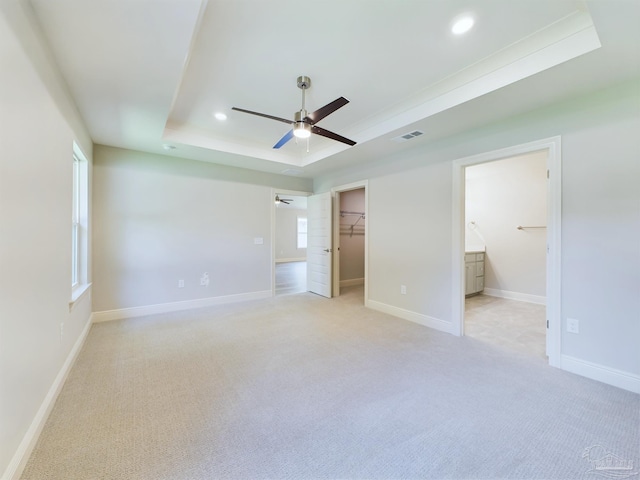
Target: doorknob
<point x="328" y="250"/>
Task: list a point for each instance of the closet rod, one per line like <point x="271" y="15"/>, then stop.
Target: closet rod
<point x="520" y="227"/>
<point x="344" y="212"/>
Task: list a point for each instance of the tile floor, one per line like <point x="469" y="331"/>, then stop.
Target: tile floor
<point x="511" y="324"/>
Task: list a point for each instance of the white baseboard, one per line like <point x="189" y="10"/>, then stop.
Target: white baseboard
<point x="352" y="282"/>
<point x="610" y="376"/>
<point x="425" y="320"/>
<point x="21" y="457"/>
<point x="522" y="297"/>
<point x="119" y="314"/>
<point x="287" y="260"/>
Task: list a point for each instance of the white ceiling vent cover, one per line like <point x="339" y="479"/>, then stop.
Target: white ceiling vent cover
<point x="407" y="136"/>
<point x="291" y="171"/>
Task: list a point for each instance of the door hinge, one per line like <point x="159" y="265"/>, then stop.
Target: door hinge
<point x="547" y="173"/>
<point x="547" y="323"/>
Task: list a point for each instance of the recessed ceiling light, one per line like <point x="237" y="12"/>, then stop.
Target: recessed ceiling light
<point x="220" y="116"/>
<point x="462" y="25"/>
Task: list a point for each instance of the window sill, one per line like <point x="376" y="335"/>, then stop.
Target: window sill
<point x="78" y="294"/>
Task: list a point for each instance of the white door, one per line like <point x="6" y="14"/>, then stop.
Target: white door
<point x="319" y="244"/>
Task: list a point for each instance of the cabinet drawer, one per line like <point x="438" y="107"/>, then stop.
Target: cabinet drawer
<point x="480" y="269"/>
<point x="480" y="257"/>
<point x="469" y="257"/>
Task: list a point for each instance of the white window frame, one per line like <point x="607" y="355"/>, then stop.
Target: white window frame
<point x="79" y="224"/>
<point x="301" y="232"/>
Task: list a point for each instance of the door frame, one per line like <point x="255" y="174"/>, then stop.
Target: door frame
<point x="274" y="192"/>
<point x="552" y="146"/>
<point x="335" y="195"/>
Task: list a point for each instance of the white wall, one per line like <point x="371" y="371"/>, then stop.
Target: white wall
<point x="499" y="196"/>
<point x="410" y="211"/>
<point x="159" y="219"/>
<point x="352" y="246"/>
<point x="38" y="125"/>
<point x="286" y="237"/>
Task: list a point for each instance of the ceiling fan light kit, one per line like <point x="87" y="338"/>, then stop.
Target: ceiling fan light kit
<point x="301" y="129"/>
<point x="303" y="124"/>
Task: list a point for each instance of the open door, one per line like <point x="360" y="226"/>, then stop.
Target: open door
<point x="319" y="251"/>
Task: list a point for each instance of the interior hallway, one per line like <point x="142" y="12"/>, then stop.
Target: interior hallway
<point x="517" y="326"/>
<point x="291" y="277"/>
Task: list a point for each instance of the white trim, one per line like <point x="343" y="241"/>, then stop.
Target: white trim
<point x="21" y="457"/>
<point x="610" y="376"/>
<point x="425" y="320"/>
<point x="287" y="260"/>
<point x="554" y="208"/>
<point x="78" y="294"/>
<point x="108" y="315"/>
<point x="352" y="282"/>
<point x="521" y="297"/>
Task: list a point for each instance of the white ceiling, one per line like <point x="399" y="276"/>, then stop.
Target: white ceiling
<point x="146" y="73"/>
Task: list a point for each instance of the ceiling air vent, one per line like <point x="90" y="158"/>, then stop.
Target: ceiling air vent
<point x="407" y="136"/>
<point x="291" y="171"/>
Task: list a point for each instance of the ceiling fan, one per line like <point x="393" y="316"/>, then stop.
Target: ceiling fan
<point x="286" y="201"/>
<point x="305" y="124"/>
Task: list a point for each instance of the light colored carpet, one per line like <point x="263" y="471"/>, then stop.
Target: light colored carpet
<point x="302" y="387"/>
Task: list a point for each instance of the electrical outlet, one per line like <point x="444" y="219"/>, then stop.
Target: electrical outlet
<point x="204" y="279"/>
<point x="403" y="289"/>
<point x="573" y="325"/>
<point x="181" y="283"/>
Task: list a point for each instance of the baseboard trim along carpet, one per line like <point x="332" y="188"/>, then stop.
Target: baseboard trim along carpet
<point x="354" y="282"/>
<point x="119" y="314"/>
<point x="289" y="260"/>
<point x="522" y="297"/>
<point x="617" y="378"/>
<point x="20" y="458"/>
<point x="414" y="317"/>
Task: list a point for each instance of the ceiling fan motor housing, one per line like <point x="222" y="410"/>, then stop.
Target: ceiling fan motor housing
<point x="304" y="82"/>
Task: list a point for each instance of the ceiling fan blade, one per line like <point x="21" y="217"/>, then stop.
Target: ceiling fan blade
<point x="328" y="109"/>
<point x="331" y="135"/>
<point x="287" y="136"/>
<point x="284" y="120"/>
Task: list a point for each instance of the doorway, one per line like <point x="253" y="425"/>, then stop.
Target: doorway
<point x="290" y="243"/>
<point x="552" y="148"/>
<point x="505" y="253"/>
<point x="350" y="246"/>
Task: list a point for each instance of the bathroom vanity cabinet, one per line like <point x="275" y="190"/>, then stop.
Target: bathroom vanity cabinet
<point x="474" y="272"/>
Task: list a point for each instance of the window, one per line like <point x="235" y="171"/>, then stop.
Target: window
<point x="79" y="223"/>
<point x="302" y="232"/>
<point x="75" y="221"/>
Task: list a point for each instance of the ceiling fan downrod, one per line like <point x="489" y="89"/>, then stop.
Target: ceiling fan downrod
<point x="302" y="129"/>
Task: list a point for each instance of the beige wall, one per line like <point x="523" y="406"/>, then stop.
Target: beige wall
<point x="161" y="219"/>
<point x="38" y="126"/>
<point x="410" y="229"/>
